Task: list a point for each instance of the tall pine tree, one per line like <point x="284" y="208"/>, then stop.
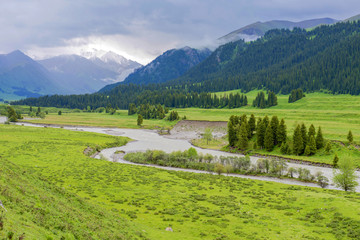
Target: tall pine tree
<point x="298" y="141"/>
<point x="281" y="133"/>
<point x="319" y="139"/>
<point x="269" y="139"/>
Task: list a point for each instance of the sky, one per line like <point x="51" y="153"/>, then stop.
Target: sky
<point x="143" y="29"/>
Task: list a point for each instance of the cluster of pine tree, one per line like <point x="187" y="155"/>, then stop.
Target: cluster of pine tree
<point x="305" y="142"/>
<point x="296" y="95"/>
<point x="148" y="111"/>
<point x="260" y="101"/>
<point x="240" y="130"/>
<point x="173" y="116"/>
<point x="269" y="133"/>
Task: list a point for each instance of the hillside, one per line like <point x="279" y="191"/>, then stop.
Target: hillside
<point x="324" y="58"/>
<point x="170" y="65"/>
<point x="256" y="30"/>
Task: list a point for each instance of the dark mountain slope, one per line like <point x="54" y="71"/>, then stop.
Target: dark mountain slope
<point x="170" y="65"/>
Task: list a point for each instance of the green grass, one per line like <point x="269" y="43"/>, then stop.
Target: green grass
<point x="120" y="120"/>
<point x="336" y="114"/>
<point x="196" y="206"/>
<point x="40" y="209"/>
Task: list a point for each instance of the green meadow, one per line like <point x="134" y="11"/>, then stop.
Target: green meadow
<point x="336" y="114"/>
<point x="52" y="190"/>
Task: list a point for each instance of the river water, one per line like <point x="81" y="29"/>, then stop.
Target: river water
<point x="151" y="140"/>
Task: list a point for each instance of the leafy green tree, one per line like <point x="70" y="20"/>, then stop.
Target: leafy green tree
<point x="208" y="135"/>
<point x="345" y="177"/>
<point x="292" y="171"/>
<point x="31" y="109"/>
<point x="350" y="137"/>
<point x="219" y="168"/>
<point x="298" y="141"/>
<point x="140" y="120"/>
<point x="269" y="139"/>
<point x="11" y="114"/>
<point x="322" y="180"/>
<point x="59" y="112"/>
<point x="335" y="161"/>
<point x="243" y="137"/>
<point x="319" y="139"/>
<point x="281" y="133"/>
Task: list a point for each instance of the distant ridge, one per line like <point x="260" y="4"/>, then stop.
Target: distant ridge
<point x="258" y="29"/>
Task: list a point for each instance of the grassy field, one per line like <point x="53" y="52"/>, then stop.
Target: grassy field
<point x="336" y="114"/>
<point x="196" y="206"/>
<point x="39" y="209"/>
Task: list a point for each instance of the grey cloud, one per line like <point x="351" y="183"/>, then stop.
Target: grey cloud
<point x="44" y="24"/>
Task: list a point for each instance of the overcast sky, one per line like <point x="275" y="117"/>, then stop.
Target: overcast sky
<point x="143" y="29"/>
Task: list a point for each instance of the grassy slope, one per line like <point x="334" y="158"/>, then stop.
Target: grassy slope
<point x="195" y="205"/>
<point x="37" y="207"/>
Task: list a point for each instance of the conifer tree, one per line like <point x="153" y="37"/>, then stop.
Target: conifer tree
<point x="269" y="139"/>
<point x="350" y="137"/>
<point x="243" y="137"/>
<point x="139" y="120"/>
<point x="307" y="150"/>
<point x="304" y="134"/>
<point x="284" y="149"/>
<point x="281" y="133"/>
<point x="232" y="131"/>
<point x="252" y="123"/>
<point x="274" y="126"/>
<point x="319" y="139"/>
<point x="312" y="145"/>
<point x="260" y="134"/>
<point x="328" y="147"/>
<point x="266" y="120"/>
<point x="335" y="161"/>
<point x="298" y="141"/>
<point x="311" y="131"/>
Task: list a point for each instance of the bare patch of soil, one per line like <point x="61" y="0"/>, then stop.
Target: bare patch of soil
<point x="188" y="129"/>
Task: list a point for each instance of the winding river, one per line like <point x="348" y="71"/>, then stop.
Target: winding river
<point x="149" y="139"/>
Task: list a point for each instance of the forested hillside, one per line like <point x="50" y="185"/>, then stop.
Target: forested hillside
<point x="326" y="58"/>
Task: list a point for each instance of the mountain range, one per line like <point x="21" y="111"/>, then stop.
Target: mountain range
<point x="21" y="76"/>
<point x="72" y="74"/>
<point x="326" y="58"/>
<point x="171" y="64"/>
